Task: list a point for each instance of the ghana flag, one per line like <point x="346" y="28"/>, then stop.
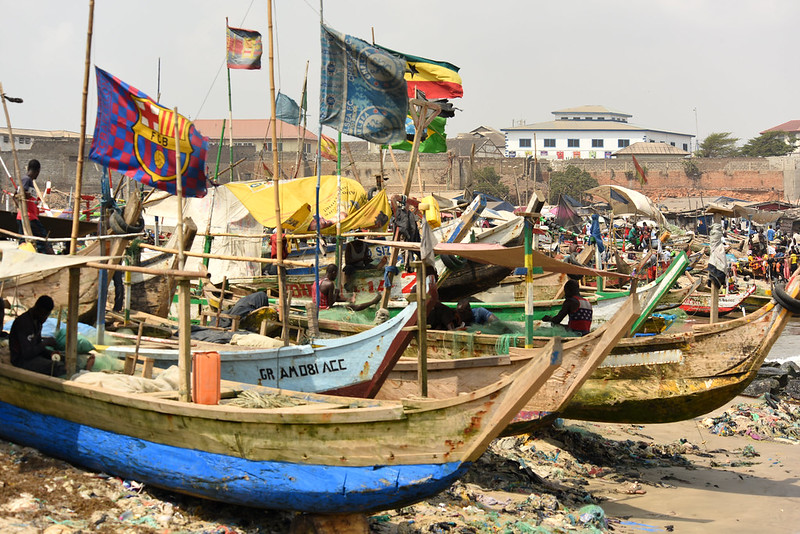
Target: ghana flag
<point x="437" y="79"/>
<point x="433" y="141"/>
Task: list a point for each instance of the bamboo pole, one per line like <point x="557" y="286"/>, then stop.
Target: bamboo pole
<point x="71" y="352"/>
<point x="283" y="308"/>
<point x="184" y="323"/>
<point x="19" y="198"/>
<point x="422" y="331"/>
<point x="225" y="256"/>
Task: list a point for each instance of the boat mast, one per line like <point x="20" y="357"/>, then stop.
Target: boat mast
<point x="284" y="313"/>
<point x="71" y="352"/>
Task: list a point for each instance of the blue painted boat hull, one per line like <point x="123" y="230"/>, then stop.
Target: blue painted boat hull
<point x="261" y="484"/>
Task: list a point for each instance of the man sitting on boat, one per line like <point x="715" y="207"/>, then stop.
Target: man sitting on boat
<point x="27" y="347"/>
<point x="578" y="308"/>
<point x="469" y="315"/>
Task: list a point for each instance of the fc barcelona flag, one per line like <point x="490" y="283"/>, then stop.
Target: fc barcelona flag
<point x="136" y="136"/>
<point x="244" y="49"/>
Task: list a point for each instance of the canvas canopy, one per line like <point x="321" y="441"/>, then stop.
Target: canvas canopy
<point x="15" y="261"/>
<point x="222" y="213"/>
<point x="627" y="201"/>
<point x="259" y="198"/>
<point x="511" y="257"/>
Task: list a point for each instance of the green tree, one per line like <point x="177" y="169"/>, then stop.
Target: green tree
<point x="487" y="181"/>
<point x="571" y="181"/>
<point x="769" y="144"/>
<point x="719" y="145"/>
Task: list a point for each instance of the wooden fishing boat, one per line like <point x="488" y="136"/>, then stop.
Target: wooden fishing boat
<point x="54" y="280"/>
<point x="675" y="297"/>
<point x="580" y="357"/>
<point x="679" y="376"/>
<point x="354" y="365"/>
<point x="699" y="303"/>
<point x="153" y="293"/>
<point x="318" y="454"/>
<point x="656" y="379"/>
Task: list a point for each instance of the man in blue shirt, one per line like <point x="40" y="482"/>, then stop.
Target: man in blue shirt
<point x="469" y="315"/>
<point x="770" y="233"/>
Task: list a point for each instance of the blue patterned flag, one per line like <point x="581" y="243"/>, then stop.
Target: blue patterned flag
<point x="287" y="109"/>
<point x="136" y="136"/>
<point x="363" y="90"/>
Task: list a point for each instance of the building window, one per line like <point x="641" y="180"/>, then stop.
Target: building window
<point x="622" y="143"/>
<point x="524" y="143"/>
<point x="573" y="143"/>
<point x="549" y="143"/>
<point x="597" y="143"/>
<point x="686" y="147"/>
<point x="673" y="144"/>
<point x="5" y="139"/>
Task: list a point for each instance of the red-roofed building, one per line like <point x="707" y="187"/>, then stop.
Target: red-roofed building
<point x="791" y="128"/>
<point x="252" y="139"/>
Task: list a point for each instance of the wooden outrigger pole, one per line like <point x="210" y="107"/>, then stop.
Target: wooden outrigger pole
<point x="71" y="352"/>
<point x="282" y="309"/>
<point x="423" y="112"/>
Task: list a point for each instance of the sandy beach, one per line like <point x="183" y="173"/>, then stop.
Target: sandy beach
<point x="574" y="477"/>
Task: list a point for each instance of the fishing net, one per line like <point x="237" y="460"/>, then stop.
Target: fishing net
<point x="253" y="399"/>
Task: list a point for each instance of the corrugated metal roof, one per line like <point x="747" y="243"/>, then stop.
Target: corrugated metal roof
<point x="591" y="109"/>
<point x="250" y="129"/>
<point x="42" y="133"/>
<point x="650" y="149"/>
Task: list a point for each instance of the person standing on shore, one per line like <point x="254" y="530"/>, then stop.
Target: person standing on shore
<point x="32" y="200"/>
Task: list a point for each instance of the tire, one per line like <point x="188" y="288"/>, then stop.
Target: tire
<point x="785" y="300"/>
<point x="453" y="263"/>
<point x="371" y="193"/>
<point x="118" y="225"/>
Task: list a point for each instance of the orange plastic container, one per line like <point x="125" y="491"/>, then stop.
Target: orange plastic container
<point x="206" y="378"/>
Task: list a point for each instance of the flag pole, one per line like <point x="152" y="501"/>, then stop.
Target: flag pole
<point x="71" y="349"/>
<point x="230" y="109"/>
<point x="301" y="141"/>
<point x="284" y="312"/>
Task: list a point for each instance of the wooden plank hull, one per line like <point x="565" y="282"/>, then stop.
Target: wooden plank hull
<point x="691" y="373"/>
<point x="355" y="365"/>
<point x="331" y="455"/>
<point x="579" y="360"/>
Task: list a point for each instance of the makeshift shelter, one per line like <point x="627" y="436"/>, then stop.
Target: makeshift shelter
<point x="227" y="216"/>
<point x="627" y="201"/>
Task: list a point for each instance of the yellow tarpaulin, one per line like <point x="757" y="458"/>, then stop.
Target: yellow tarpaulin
<point x="259" y="198"/>
<point x="374" y="216"/>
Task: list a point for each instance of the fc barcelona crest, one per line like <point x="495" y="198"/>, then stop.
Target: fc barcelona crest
<point x="154" y="143"/>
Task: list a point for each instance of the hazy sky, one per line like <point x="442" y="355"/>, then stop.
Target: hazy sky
<point x="732" y="61"/>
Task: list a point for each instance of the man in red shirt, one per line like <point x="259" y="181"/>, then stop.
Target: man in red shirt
<point x="32" y="199"/>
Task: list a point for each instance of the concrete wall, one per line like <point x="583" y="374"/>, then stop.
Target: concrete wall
<point x="746" y="178"/>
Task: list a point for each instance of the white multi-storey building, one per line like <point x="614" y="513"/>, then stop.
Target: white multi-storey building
<point x="584" y="132"/>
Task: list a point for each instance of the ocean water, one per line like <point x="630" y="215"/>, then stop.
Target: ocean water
<point x="787" y="347"/>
